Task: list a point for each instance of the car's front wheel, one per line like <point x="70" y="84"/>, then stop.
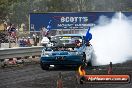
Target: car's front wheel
<point x="44" y="66"/>
<point x="89" y="63"/>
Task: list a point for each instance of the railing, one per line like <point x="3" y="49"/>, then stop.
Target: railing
<point x="20" y="52"/>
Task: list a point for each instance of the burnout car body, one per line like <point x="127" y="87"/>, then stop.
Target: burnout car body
<point x="64" y="51"/>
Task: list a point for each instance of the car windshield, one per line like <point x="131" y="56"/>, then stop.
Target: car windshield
<point x="67" y="41"/>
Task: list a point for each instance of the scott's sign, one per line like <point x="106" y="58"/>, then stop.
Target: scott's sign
<point x="74" y="19"/>
<point x="67" y="20"/>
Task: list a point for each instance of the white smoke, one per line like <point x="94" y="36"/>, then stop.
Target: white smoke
<point x="112" y="39"/>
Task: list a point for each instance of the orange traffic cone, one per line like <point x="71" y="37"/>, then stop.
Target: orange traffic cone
<point x="59" y="81"/>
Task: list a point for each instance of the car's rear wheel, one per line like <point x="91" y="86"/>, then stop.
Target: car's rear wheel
<point x="44" y="66"/>
<point x="84" y="59"/>
<point x="89" y="63"/>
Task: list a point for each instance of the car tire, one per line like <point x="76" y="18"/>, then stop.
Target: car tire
<point x="82" y="80"/>
<point x="84" y="59"/>
<point x="44" y="66"/>
<point x="89" y="63"/>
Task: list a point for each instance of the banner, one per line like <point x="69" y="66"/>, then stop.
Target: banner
<point x="67" y="20"/>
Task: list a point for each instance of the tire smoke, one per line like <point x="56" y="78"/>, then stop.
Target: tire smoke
<point x="112" y="39"/>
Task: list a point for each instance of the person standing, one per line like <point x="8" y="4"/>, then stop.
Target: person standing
<point x="43" y="31"/>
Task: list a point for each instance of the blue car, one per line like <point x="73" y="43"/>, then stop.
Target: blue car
<point x="64" y="50"/>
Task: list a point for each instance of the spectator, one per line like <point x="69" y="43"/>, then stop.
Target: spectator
<point x="28" y="43"/>
<point x="43" y="31"/>
<point x="13" y="28"/>
<point x="34" y="39"/>
<point x="9" y="28"/>
<point x="12" y="32"/>
<point x="3" y="37"/>
<point x="22" y="42"/>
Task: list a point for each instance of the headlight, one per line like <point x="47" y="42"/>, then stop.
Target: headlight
<point x="46" y="53"/>
<point x="75" y="53"/>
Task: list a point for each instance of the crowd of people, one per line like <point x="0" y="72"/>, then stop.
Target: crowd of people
<point x="24" y="42"/>
<point x="10" y="34"/>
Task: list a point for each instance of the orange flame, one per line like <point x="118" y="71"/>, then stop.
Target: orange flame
<point x="81" y="71"/>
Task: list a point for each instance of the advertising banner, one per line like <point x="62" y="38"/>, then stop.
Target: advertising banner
<point x="67" y="20"/>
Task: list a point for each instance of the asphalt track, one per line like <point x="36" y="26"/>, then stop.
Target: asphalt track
<point x="32" y="76"/>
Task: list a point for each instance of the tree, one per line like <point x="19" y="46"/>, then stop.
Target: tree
<point x="4" y="8"/>
<point x="17" y="11"/>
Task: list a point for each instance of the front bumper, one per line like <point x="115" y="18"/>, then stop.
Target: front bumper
<point x="62" y="60"/>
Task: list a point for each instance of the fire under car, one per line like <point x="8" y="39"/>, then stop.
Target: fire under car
<point x="64" y="50"/>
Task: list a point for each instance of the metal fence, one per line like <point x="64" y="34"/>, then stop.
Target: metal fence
<point x="20" y="52"/>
